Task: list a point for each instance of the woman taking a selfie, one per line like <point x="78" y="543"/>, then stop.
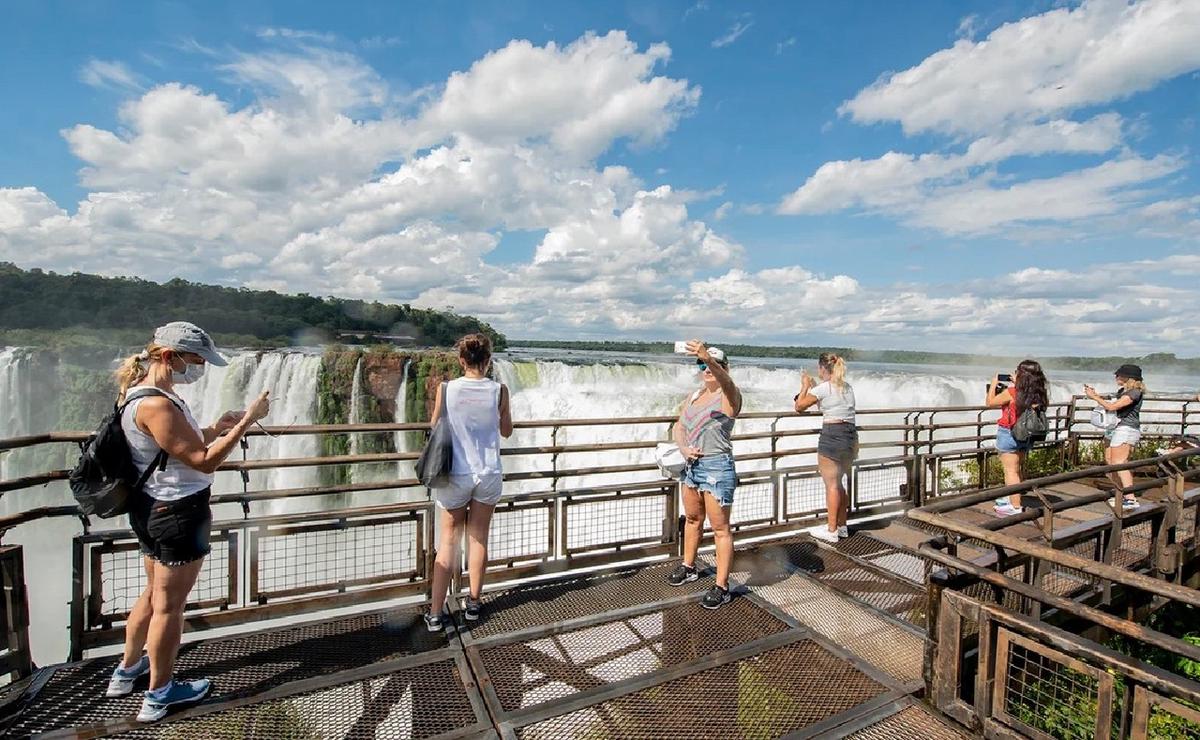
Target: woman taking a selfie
<point x="704" y="435"/>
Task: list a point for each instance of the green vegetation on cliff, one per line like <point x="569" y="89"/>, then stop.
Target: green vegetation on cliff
<point x="68" y="311"/>
<point x="1159" y="360"/>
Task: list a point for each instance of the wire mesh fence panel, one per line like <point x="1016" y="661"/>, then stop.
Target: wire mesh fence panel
<point x="122" y="577"/>
<point x="1070" y="581"/>
<point x="754" y="502"/>
<point x="333" y="555"/>
<point x="1136" y="545"/>
<point x="604" y="521"/>
<point x="1047" y="691"/>
<point x="521" y="532"/>
<point x="879" y="484"/>
<point x="804" y="495"/>
<point x="1156" y="716"/>
<point x="766" y="695"/>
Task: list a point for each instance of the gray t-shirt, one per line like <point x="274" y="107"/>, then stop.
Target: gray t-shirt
<point x="835" y="405"/>
<point x="1131" y="415"/>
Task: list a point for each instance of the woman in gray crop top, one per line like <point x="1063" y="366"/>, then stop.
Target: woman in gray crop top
<point x="838" y="444"/>
<point x="704" y="435"/>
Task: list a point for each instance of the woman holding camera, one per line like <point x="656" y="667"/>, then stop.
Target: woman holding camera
<point x="704" y="435"/>
<point x="838" y="444"/>
<point x="172" y="519"/>
<point x="1028" y="389"/>
<point x="1127" y="432"/>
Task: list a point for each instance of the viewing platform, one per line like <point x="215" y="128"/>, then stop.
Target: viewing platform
<point x="934" y="619"/>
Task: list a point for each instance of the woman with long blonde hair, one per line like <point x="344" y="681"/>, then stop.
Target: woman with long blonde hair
<point x="838" y="444"/>
<point x="171" y="516"/>
<point x="1127" y="432"/>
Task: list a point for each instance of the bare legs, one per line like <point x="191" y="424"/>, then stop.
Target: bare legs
<point x="837" y="502"/>
<point x="479" y="522"/>
<point x="1012" y="463"/>
<point x="1116" y="455"/>
<point x="696" y="507"/>
<point x="476" y="520"/>
<point x="454" y="521"/>
<point x="156" y="620"/>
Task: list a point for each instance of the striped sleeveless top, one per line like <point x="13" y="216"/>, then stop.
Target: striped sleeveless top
<point x="707" y="427"/>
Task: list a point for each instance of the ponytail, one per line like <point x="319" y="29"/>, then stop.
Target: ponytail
<point x="837" y="369"/>
<point x="134" y="368"/>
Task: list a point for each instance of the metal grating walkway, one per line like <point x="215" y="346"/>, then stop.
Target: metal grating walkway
<point x="606" y="654"/>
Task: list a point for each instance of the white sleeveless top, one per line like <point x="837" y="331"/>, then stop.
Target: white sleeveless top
<point x="177" y="480"/>
<point x="473" y="411"/>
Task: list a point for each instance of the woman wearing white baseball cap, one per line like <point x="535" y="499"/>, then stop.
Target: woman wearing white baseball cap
<point x="172" y="519"/>
<point x="704" y="433"/>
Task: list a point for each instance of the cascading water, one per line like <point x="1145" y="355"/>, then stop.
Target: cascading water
<point x="402" y="440"/>
<point x="16" y="399"/>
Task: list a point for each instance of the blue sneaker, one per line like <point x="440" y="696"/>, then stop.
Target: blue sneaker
<point x="123" y="679"/>
<point x="156" y="703"/>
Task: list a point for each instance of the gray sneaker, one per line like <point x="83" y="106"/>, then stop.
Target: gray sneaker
<point x="472" y="609"/>
<point x="683" y="574"/>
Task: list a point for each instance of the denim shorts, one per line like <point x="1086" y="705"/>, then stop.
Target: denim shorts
<point x="1123" y="436"/>
<point x="712" y="473"/>
<point x="1006" y="443"/>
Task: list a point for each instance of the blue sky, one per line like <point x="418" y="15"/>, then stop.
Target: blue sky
<point x="1014" y="176"/>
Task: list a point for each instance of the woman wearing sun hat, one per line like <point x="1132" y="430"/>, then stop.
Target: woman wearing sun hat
<point x="1121" y="438"/>
<point x="172" y="519"/>
<point x="704" y="433"/>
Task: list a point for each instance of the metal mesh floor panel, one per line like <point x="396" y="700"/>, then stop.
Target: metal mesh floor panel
<point x="410" y="703"/>
<point x="882" y="555"/>
<point x="913" y="723"/>
<point x="548" y="668"/>
<point x="885" y="645"/>
<point x="767" y="695"/>
<point x="542" y="604"/>
<point x="892" y="595"/>
<point x="239" y="665"/>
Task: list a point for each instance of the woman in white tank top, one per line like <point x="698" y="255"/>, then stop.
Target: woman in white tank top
<point x="478" y="413"/>
<point x="172" y="519"/>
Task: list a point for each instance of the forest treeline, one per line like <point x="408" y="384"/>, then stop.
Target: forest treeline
<point x="1158" y="360"/>
<point x="42" y="308"/>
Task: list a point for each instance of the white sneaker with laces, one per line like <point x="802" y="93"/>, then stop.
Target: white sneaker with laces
<point x="821" y="532"/>
<point x="123" y="679"/>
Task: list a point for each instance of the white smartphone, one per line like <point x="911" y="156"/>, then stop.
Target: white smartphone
<point x="681" y="348"/>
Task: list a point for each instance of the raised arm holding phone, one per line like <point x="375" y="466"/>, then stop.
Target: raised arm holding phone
<point x="704" y="435"/>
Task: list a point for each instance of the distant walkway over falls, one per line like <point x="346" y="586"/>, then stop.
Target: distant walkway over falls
<point x="934" y="619"/>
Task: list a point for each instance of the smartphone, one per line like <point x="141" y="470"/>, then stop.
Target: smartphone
<point x="1004" y="378"/>
<point x="681" y="348"/>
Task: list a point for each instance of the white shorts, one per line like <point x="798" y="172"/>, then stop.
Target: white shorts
<point x="1123" y="436"/>
<point x="463" y="489"/>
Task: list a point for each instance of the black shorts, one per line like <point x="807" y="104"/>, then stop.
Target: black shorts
<point x="173" y="532"/>
<point x="838" y="442"/>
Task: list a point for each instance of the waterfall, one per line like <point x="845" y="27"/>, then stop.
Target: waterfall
<point x="16" y="399"/>
<point x="356" y="417"/>
<point x="404" y="468"/>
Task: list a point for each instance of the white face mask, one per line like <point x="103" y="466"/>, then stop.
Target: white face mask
<point x="191" y="373"/>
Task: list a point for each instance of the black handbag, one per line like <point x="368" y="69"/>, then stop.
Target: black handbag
<point x="433" y="466"/>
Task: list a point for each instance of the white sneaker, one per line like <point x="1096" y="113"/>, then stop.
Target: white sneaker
<point x="821" y="532"/>
<point x="843" y="532"/>
<point x="1006" y="509"/>
<point x="123" y="679"/>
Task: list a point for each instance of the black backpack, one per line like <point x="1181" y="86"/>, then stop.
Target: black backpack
<point x="1032" y="426"/>
<point x="105" y="480"/>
